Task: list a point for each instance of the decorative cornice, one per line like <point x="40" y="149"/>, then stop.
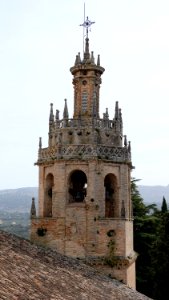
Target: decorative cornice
<point x="70" y="152"/>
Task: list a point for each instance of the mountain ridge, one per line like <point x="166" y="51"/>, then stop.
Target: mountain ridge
<point x="20" y="199"/>
<point x="154" y="194"/>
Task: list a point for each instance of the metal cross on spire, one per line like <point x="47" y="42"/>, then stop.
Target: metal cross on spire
<point x="86" y="24"/>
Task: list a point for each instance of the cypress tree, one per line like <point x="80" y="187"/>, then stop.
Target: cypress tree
<point x="164" y="206"/>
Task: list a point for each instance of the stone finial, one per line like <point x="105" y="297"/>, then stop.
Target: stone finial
<point x="98" y="60"/>
<point x="129" y="147"/>
<point x="120" y="114"/>
<point x="40" y="143"/>
<point x="65" y="112"/>
<point x="116" y="110"/>
<point x="107" y="114"/>
<point x="76" y="60"/>
<point x="57" y="114"/>
<point x="86" y="53"/>
<point x="125" y="140"/>
<point x="33" y="209"/>
<point x="51" y="116"/>
<point x="92" y="58"/>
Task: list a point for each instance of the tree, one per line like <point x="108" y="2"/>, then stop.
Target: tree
<point x="160" y="259"/>
<point x="139" y="209"/>
<point x="164" y="206"/>
<point x="151" y="241"/>
<point x="144" y="235"/>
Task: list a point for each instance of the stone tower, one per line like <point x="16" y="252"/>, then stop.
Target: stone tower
<point x="84" y="207"/>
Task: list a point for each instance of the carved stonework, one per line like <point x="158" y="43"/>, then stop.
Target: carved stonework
<point x="114" y="154"/>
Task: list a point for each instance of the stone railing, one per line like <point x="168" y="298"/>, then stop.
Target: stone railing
<point x="82" y="122"/>
<point x="115" y="154"/>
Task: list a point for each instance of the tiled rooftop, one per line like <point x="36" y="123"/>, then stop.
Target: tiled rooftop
<point x="28" y="271"/>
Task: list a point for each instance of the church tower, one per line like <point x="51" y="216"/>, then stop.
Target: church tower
<point x="84" y="206"/>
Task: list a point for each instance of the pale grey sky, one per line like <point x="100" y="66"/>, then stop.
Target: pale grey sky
<point x="38" y="43"/>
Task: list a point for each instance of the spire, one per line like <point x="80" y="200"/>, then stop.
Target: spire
<point x="120" y="114"/>
<point x="65" y="112"/>
<point x="129" y="147"/>
<point x="51" y="116"/>
<point x="40" y="143"/>
<point x="86" y="25"/>
<point x="78" y="59"/>
<point x="92" y="58"/>
<point x="57" y="118"/>
<point x="107" y="114"/>
<point x="86" y="79"/>
<point x="86" y="53"/>
<point x="116" y="110"/>
<point x="33" y="209"/>
<point x="125" y="140"/>
<point x="98" y="60"/>
<point x="57" y="114"/>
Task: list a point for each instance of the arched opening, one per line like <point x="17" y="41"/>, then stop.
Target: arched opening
<point x="110" y="184"/>
<point x="77" y="186"/>
<point x="49" y="182"/>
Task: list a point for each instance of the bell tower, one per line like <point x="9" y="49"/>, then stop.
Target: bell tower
<point x="84" y="205"/>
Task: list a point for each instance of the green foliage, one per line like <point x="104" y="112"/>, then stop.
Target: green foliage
<point x="160" y="259"/>
<point x="110" y="259"/>
<point x="151" y="241"/>
<point x="139" y="209"/>
<point x="15" y="223"/>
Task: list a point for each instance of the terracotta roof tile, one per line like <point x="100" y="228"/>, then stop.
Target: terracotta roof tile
<point x="32" y="272"/>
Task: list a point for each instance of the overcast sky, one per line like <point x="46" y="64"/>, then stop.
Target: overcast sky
<point x="39" y="40"/>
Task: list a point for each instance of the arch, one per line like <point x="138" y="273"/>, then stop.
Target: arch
<point x="77" y="186"/>
<point x="48" y="195"/>
<point x="110" y="184"/>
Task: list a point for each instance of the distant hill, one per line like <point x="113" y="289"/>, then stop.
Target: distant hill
<point x="154" y="194"/>
<point x="17" y="200"/>
<point x="15" y="206"/>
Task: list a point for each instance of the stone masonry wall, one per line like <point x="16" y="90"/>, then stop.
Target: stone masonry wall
<point x="81" y="229"/>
